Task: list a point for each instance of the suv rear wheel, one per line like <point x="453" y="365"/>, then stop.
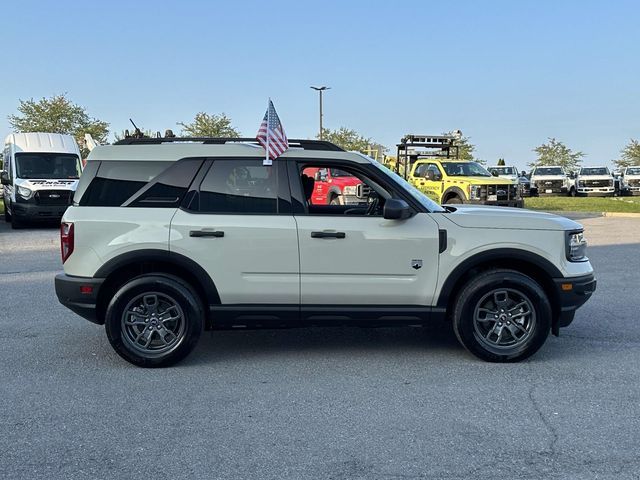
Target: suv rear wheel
<point x="154" y="320"/>
<point x="502" y="316"/>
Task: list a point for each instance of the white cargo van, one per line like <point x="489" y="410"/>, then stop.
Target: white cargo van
<point x="41" y="172"/>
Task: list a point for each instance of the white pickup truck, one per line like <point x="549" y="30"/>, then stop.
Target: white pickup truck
<point x="552" y="180"/>
<point x="630" y="181"/>
<point x="595" y="181"/>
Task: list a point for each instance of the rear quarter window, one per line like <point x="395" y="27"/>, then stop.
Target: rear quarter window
<point x="135" y="183"/>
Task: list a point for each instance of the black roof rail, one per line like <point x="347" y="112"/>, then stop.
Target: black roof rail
<point x="295" y="143"/>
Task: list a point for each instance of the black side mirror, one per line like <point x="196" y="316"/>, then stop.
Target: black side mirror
<point x="396" y="209"/>
<point x="523" y="174"/>
<point x="494" y="173"/>
<point x="572" y="175"/>
<point x="434" y="176"/>
<point x="5" y="178"/>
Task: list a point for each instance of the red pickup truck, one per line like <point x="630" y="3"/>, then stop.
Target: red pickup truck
<point x="335" y="187"/>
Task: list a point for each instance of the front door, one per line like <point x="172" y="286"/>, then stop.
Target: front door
<point x="353" y="256"/>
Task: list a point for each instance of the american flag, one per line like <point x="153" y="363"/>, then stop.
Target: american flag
<point x="271" y="129"/>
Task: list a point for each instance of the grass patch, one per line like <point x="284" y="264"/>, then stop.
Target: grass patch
<point x="584" y="204"/>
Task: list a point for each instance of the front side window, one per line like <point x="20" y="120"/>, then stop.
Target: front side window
<point x="47" y="166"/>
<point x="242" y="186"/>
<point x="633" y="171"/>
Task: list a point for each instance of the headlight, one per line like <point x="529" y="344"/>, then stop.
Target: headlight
<point x="350" y="190"/>
<point x="24" y="192"/>
<point x="475" y="192"/>
<point x="576" y="247"/>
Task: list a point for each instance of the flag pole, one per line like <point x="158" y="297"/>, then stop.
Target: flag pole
<point x="267" y="160"/>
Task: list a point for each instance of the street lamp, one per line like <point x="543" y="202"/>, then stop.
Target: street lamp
<point x="320" y="90"/>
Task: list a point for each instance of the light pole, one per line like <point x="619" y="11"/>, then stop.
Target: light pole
<point x="320" y="90"/>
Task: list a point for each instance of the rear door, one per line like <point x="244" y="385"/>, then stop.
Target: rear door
<point x="235" y="225"/>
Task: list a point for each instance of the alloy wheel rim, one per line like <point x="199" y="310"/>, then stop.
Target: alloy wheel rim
<point x="153" y="323"/>
<point x="504" y="319"/>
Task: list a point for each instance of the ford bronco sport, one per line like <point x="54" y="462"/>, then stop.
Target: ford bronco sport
<point x="170" y="237"/>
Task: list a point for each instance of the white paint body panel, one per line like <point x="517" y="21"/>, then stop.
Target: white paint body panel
<point x="103" y="233"/>
<point x="372" y="264"/>
<point x="255" y="262"/>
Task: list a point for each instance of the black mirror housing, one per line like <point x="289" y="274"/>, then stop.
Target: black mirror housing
<point x="396" y="209"/>
<point x="5" y="178"/>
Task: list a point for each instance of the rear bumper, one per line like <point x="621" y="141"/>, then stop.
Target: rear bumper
<point x="573" y="292"/>
<point x="71" y="296"/>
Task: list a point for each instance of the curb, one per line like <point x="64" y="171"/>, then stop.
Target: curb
<point x="583" y="215"/>
<point x="621" y="214"/>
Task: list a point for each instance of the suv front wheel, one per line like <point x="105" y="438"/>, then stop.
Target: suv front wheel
<point x="154" y="320"/>
<point x="502" y="316"/>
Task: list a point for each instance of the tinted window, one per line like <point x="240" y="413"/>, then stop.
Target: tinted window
<point x="239" y="186"/>
<point x="115" y="182"/>
<point x="168" y="188"/>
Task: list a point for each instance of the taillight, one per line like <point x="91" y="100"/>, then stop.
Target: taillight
<point x="66" y="240"/>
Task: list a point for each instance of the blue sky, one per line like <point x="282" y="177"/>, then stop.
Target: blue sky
<point x="508" y="74"/>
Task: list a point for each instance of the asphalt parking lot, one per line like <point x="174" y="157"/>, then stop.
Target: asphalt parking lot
<point x="341" y="403"/>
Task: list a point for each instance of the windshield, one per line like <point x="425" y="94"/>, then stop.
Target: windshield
<point x="335" y="172"/>
<point x="47" y="166"/>
<point x="548" y="171"/>
<point x="413" y="191"/>
<point x="594" y="171"/>
<point x="465" y="169"/>
<point x="503" y="170"/>
<point x="633" y="171"/>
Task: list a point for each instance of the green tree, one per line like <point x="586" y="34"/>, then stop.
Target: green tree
<point x="629" y="155"/>
<point x="501" y="162"/>
<point x="554" y="152"/>
<point x="206" y="125"/>
<point x="465" y="147"/>
<point x="58" y="114"/>
<point x="351" y="140"/>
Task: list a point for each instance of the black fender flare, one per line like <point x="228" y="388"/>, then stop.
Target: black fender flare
<point x="139" y="257"/>
<point x="457" y="190"/>
<point x="333" y="190"/>
<point x="495" y="256"/>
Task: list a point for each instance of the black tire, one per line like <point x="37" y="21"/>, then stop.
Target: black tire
<point x="335" y="200"/>
<point x="16" y="223"/>
<point x="7" y="215"/>
<point x="491" y="287"/>
<point x="572" y="192"/>
<point x="167" y="289"/>
<point x="455" y="200"/>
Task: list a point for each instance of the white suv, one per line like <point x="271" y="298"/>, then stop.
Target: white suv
<point x="167" y="237"/>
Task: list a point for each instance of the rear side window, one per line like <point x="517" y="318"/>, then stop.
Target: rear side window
<point x="136" y="183"/>
<point x="240" y="186"/>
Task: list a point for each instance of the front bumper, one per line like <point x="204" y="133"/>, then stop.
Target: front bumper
<point x="33" y="212"/>
<point x="516" y="203"/>
<point x="572" y="293"/>
<point x="68" y="290"/>
<point x="542" y="190"/>
<point x="595" y="191"/>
